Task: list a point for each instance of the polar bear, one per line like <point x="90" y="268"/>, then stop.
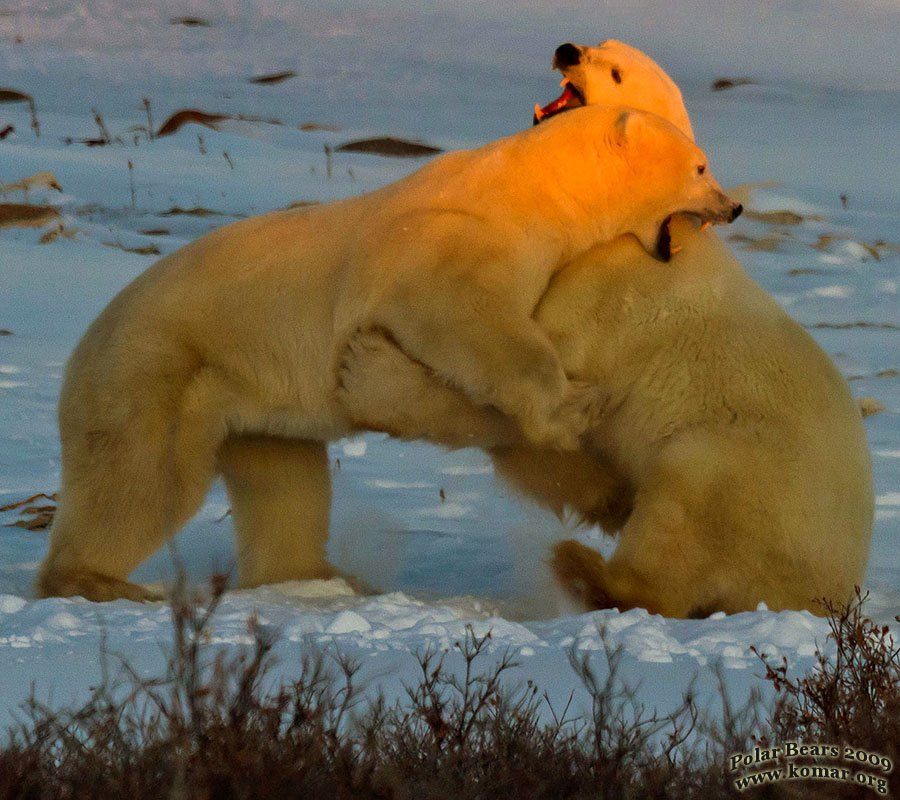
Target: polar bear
<point x="221" y="356"/>
<point x="729" y="454"/>
<point x="615" y="73"/>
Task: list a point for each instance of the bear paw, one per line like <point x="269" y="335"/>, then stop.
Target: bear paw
<point x="92" y="586"/>
<point x="580" y="571"/>
<point x="580" y="411"/>
<point x="375" y="378"/>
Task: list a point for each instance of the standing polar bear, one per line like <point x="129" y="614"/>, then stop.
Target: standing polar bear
<point x="221" y="357"/>
<point x="729" y="453"/>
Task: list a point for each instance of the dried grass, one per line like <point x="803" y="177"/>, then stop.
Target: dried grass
<point x="208" y="728"/>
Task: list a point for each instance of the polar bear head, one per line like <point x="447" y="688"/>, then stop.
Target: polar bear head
<point x="616" y="74"/>
<point x="621" y="170"/>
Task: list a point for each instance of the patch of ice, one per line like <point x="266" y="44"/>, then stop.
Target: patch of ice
<point x="378" y="483"/>
<point x="887" y="513"/>
<point x="766" y="200"/>
<point x="10" y="604"/>
<point x="614" y="623"/>
<point x="486" y="469"/>
<point x="64" y="621"/>
<point x="887" y="453"/>
<point x="836" y="292"/>
<point x="349" y="622"/>
<point x="827" y="258"/>
<point x="40" y="635"/>
<point x="855" y="250"/>
<point x="888" y="499"/>
<point x="6" y="369"/>
<point x="215" y="511"/>
<point x="12" y="384"/>
<point x="501" y="630"/>
<point x="397" y="612"/>
<point x="446" y="511"/>
<point x="303" y="627"/>
<point x="356" y="448"/>
<point x="889" y="287"/>
<point x="319" y="587"/>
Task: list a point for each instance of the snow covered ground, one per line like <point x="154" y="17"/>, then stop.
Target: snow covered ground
<point x="821" y="119"/>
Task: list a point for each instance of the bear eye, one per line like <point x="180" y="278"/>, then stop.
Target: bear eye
<point x="616" y="75"/>
<point x="701" y="169"/>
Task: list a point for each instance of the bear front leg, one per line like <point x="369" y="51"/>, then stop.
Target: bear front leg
<point x="382" y="389"/>
<point x="499" y="358"/>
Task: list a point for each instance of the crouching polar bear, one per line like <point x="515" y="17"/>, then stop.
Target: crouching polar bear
<point x="222" y="356"/>
<point x="728" y="452"/>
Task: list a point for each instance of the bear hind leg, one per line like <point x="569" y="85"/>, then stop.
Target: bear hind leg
<point x="596" y="583"/>
<point x="662" y="562"/>
<point x="280" y="493"/>
<point x="127" y="489"/>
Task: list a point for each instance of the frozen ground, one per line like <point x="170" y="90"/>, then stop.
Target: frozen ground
<point x="822" y="120"/>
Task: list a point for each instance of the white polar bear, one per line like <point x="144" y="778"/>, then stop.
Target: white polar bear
<point x="614" y="73"/>
<point x="729" y="454"/>
<point x="222" y="355"/>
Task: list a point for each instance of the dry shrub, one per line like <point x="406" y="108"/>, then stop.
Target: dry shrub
<point x="212" y="727"/>
<point x="389" y="146"/>
<point x="23" y="215"/>
<point x="850" y="698"/>
<point x="273" y="78"/>
<point x="15" y="96"/>
<point x="194" y="115"/>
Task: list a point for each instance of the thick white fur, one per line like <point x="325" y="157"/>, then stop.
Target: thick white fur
<point x="222" y="356"/>
<point x="616" y="73"/>
<point x="729" y="453"/>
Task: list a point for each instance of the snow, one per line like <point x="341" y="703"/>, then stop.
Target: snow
<point x="820" y="120"/>
<point x="355" y="448"/>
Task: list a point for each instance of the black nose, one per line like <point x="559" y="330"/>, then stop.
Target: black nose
<point x="736" y="212"/>
<point x="566" y="55"/>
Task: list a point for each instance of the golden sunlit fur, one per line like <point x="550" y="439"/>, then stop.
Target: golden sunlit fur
<point x="616" y="73"/>
<point x="728" y="452"/>
<point x="222" y="357"/>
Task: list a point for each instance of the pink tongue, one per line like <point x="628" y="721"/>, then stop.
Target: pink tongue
<point x="557" y="104"/>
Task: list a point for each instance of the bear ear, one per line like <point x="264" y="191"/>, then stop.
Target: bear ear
<point x="622" y="127"/>
<point x="628" y="127"/>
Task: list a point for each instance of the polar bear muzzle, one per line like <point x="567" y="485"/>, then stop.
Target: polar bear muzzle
<point x="569" y="99"/>
<point x="658" y="243"/>
<point x="566" y="55"/>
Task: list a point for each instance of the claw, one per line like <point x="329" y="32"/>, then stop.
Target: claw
<point x="537" y="111"/>
<point x="705" y="225"/>
<point x="676" y="249"/>
<point x="564" y="81"/>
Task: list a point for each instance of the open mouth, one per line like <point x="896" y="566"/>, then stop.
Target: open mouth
<point x="664" y="241"/>
<point x="570" y="98"/>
